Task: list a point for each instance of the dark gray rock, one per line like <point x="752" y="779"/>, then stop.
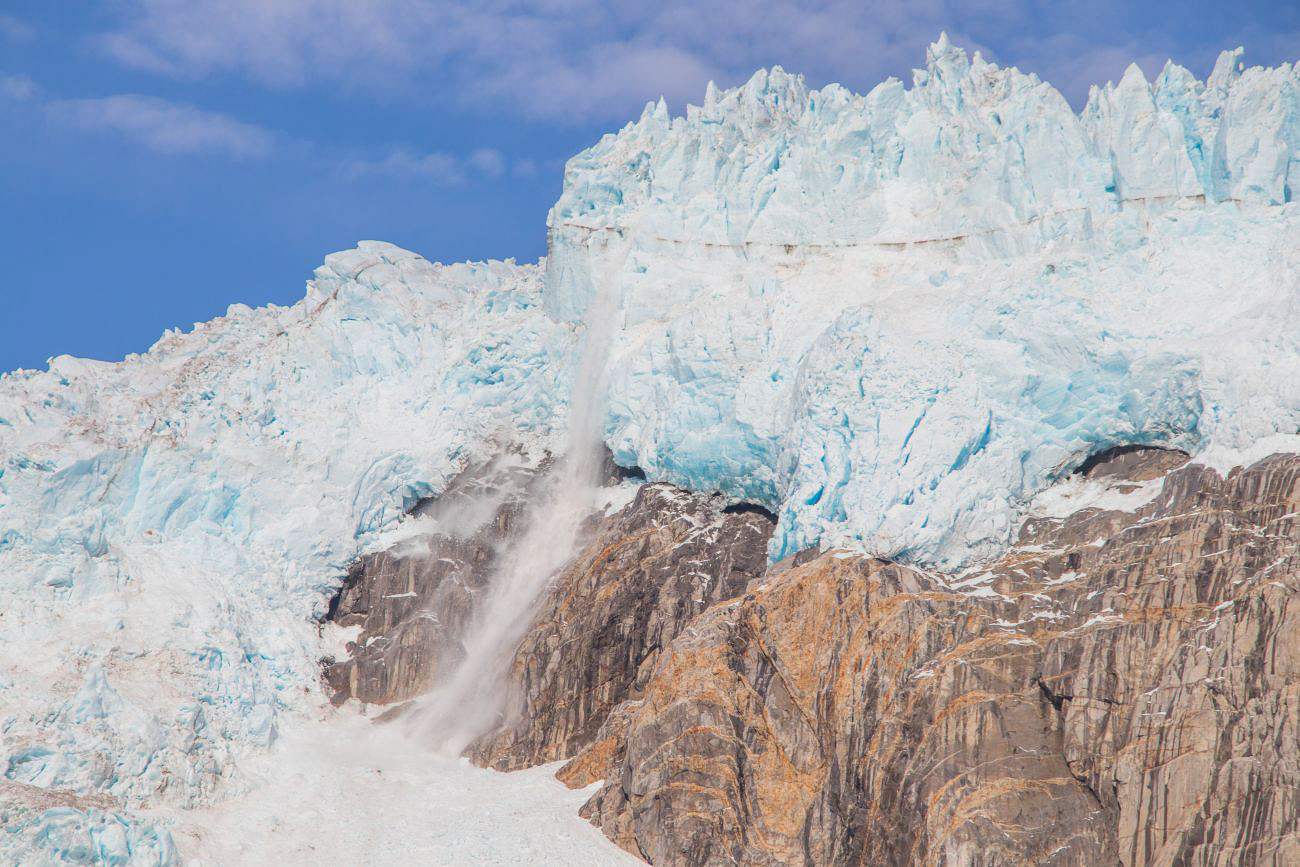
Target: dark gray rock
<point x="1132" y="463"/>
<point x="413" y="601"/>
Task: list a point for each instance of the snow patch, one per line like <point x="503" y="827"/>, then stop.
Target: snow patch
<point x="1076" y="493"/>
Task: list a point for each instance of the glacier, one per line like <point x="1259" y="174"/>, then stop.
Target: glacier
<point x="893" y="319"/>
<point x="172" y="523"/>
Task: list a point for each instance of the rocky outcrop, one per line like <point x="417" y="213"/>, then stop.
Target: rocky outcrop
<point x="1122" y="687"/>
<point x="1131" y="463"/>
<point x="650" y="570"/>
<point x="850" y="711"/>
<point x="647" y="571"/>
<point x="412" y="601"/>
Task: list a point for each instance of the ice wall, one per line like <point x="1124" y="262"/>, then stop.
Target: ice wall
<point x="990" y="161"/>
<point x="894" y="317"/>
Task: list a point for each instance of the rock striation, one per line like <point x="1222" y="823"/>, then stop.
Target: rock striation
<point x="651" y="569"/>
<point x="1122" y="687"/>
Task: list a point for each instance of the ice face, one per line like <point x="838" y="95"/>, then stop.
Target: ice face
<point x="891" y="318"/>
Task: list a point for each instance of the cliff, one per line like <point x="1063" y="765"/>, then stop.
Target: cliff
<point x="1122" y="686"/>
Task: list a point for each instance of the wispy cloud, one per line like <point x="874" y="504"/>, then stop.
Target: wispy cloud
<point x="443" y="169"/>
<point x="280" y="42"/>
<point x="156" y="124"/>
<point x="178" y="128"/>
<point x="601" y="59"/>
<point x="487" y="161"/>
<point x="18" y="88"/>
<point x="163" y="126"/>
<point x="15" y="29"/>
<point x="554" y="59"/>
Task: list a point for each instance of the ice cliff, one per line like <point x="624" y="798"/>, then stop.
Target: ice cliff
<point x="894" y="317"/>
<point x="891" y="318"/>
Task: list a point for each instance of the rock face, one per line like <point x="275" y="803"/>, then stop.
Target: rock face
<point x="413" y="600"/>
<point x="1122" y="686"/>
<point x="849" y="711"/>
<point x="650" y="570"/>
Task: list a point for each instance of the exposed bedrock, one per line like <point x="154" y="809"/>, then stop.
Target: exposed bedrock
<point x="413" y="600"/>
<point x="1120" y="687"/>
<point x="649" y="572"/>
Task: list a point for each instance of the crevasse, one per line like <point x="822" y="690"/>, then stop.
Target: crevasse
<point x="891" y="318"/>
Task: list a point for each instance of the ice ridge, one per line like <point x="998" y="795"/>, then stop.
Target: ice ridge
<point x="170" y="524"/>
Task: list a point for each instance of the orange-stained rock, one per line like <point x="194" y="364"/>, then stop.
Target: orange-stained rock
<point x="1122" y="687"/>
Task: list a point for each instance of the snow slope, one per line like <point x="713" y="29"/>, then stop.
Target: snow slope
<point x="388" y="802"/>
<point x="892" y="318"/>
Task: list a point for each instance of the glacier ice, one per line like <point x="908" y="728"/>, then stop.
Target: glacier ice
<point x="893" y="319"/>
<point x="171" y="523"/>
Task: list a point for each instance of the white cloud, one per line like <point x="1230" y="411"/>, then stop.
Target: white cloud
<point x="440" y="168"/>
<point x="602" y="59"/>
<point x="487" y="161"/>
<point x="554" y="59"/>
<point x="281" y="42"/>
<point x="164" y="127"/>
<point x="18" y="88"/>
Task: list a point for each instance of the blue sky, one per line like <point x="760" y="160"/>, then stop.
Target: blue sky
<point x="162" y="159"/>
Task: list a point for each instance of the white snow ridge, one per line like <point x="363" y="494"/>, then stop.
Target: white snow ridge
<point x="893" y="318"/>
